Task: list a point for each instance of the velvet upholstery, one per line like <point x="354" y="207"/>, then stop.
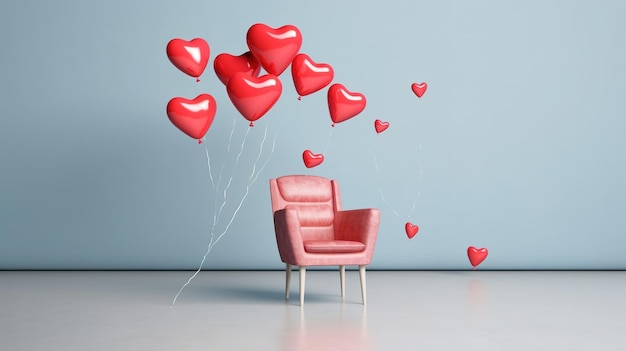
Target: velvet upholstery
<point x="313" y="230"/>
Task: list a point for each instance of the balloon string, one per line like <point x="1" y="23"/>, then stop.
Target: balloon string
<point x="382" y="195"/>
<point x="219" y="181"/>
<point x="247" y="189"/>
<point x="268" y="159"/>
<point x="381" y="190"/>
<point x="219" y="214"/>
<point x="208" y="161"/>
<point x="232" y="131"/>
<point x="251" y="180"/>
<point x="260" y="152"/>
<point x="330" y="136"/>
<point x="215" y="212"/>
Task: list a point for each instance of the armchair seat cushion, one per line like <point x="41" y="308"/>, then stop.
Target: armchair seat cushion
<point x="333" y="246"/>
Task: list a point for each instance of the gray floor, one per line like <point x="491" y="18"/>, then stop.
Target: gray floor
<point x="247" y="311"/>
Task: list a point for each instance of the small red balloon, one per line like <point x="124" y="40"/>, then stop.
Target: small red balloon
<point x="344" y="104"/>
<point x="380" y="126"/>
<point x="225" y="65"/>
<point x="419" y="89"/>
<point x="253" y="96"/>
<point x="274" y="48"/>
<point x="476" y="256"/>
<point x="192" y="117"/>
<point x="191" y="57"/>
<point x="308" y="76"/>
<point x="311" y="160"/>
<point x="411" y="229"/>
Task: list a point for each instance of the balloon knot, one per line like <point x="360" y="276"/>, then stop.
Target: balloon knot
<point x="251" y="124"/>
<point x="299" y="98"/>
<point x="475" y="268"/>
<point x="197" y="79"/>
<point x="199" y="141"/>
<point x="333" y="125"/>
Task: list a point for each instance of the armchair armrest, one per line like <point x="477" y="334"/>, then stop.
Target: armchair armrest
<point x="288" y="235"/>
<point x="358" y="225"/>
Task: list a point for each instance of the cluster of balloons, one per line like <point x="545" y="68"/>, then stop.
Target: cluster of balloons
<point x="252" y="94"/>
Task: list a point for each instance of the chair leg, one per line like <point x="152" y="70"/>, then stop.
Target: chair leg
<point x="362" y="275"/>
<point x="342" y="281"/>
<point x="288" y="281"/>
<point x="302" y="279"/>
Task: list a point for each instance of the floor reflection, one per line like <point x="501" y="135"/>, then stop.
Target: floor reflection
<point x="477" y="295"/>
<point x="323" y="329"/>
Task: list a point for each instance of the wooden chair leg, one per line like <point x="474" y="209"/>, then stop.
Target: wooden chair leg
<point x="288" y="281"/>
<point x="342" y="281"/>
<point x="302" y="279"/>
<point x="362" y="275"/>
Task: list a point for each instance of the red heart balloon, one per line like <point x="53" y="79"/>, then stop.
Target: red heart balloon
<point x="274" y="48"/>
<point x="419" y="89"/>
<point x="192" y="117"/>
<point x="476" y="256"/>
<point x="253" y="96"/>
<point x="411" y="229"/>
<point x="225" y="65"/>
<point x="308" y="76"/>
<point x="191" y="57"/>
<point x="311" y="160"/>
<point x="344" y="104"/>
<point x="380" y="126"/>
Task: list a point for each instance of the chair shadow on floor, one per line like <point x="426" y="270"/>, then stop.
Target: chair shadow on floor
<point x="252" y="294"/>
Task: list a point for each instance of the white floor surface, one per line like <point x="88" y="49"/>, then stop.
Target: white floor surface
<point x="234" y="310"/>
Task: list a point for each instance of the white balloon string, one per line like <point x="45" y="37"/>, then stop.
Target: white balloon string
<point x="216" y="215"/>
<point x="260" y="152"/>
<point x="268" y="159"/>
<point x="192" y="277"/>
<point x="382" y="195"/>
<point x="381" y="190"/>
<point x="208" y="161"/>
<point x="219" y="182"/>
<point x="330" y="136"/>
<point x="248" y="186"/>
<point x="251" y="180"/>
<point x="230" y="180"/>
<point x="230" y="139"/>
<point x="232" y="131"/>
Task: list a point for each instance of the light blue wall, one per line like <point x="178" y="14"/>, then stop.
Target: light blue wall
<point x="517" y="145"/>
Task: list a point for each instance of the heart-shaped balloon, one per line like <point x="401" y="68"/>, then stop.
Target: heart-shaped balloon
<point x="274" y="48"/>
<point x="344" y="104"/>
<point x="191" y="57"/>
<point x="419" y="89"/>
<point x="476" y="256"/>
<point x="253" y="96"/>
<point x="411" y="229"/>
<point x="192" y="117"/>
<point x="380" y="126"/>
<point x="225" y="65"/>
<point x="311" y="160"/>
<point x="308" y="76"/>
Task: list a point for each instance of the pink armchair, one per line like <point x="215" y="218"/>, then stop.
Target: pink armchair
<point x="312" y="230"/>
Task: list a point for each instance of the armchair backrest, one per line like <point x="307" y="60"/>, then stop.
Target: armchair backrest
<point x="316" y="199"/>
